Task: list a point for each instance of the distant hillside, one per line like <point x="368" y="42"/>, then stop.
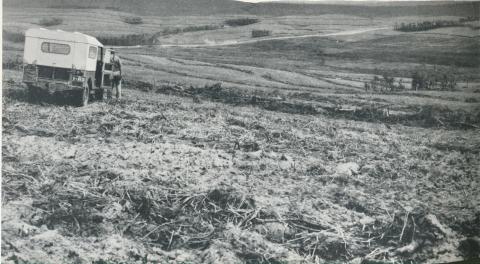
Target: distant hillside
<point x="217" y="7"/>
<point x="145" y="7"/>
<point x="382" y="10"/>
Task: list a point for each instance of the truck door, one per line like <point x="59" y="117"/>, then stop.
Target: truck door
<point x="107" y="68"/>
<point x="99" y="68"/>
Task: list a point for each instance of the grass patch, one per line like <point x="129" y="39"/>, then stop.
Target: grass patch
<point x="465" y="54"/>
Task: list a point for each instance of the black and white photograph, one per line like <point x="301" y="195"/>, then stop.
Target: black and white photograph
<point x="240" y="131"/>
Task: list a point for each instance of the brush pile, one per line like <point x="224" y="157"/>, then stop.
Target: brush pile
<point x="425" y="116"/>
<point x="217" y="93"/>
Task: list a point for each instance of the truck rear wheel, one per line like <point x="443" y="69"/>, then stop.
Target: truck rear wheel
<point x="32" y="93"/>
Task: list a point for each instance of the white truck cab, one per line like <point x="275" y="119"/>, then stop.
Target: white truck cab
<point x="56" y="61"/>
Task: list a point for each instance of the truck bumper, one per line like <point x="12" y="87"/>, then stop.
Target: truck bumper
<point x="52" y="87"/>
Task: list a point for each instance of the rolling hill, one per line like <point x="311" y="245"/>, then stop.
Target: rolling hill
<point x="215" y="7"/>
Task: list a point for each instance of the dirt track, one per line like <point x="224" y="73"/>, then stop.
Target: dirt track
<point x="241" y="42"/>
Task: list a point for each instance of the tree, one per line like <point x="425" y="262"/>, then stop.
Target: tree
<point x="366" y="85"/>
<point x="400" y="85"/>
<point x="374" y="83"/>
<point x="388" y="82"/>
<point x="415" y="81"/>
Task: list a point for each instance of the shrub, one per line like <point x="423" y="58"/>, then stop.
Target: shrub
<point x="256" y="33"/>
<point x="133" y="20"/>
<point x="12" y="63"/>
<point x="52" y="21"/>
<point x="237" y="22"/>
<point x="13" y="36"/>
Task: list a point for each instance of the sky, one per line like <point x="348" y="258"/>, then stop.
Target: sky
<point x="306" y="1"/>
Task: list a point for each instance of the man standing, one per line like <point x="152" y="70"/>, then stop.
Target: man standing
<point x="116" y="77"/>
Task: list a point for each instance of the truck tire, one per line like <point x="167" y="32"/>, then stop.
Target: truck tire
<point x="32" y="94"/>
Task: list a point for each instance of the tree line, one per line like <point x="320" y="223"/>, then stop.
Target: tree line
<point x="127" y="40"/>
<point x="422" y="78"/>
<point x="384" y="83"/>
<point x="434" y="79"/>
<point x="469" y="19"/>
<point x="178" y="30"/>
<point x="238" y="22"/>
<point x="426" y="25"/>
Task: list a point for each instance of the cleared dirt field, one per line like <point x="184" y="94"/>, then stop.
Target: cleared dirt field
<point x="268" y="152"/>
<point x="164" y="178"/>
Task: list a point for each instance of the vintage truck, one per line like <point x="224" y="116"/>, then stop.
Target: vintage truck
<point x="60" y="61"/>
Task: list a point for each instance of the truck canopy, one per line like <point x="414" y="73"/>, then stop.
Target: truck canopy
<point x="62" y="35"/>
<point x="57" y="48"/>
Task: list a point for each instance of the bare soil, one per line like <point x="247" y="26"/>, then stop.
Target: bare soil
<point x="191" y="178"/>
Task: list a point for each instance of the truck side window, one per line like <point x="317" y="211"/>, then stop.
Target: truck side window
<point x="92" y="52"/>
<point x="57" y="48"/>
